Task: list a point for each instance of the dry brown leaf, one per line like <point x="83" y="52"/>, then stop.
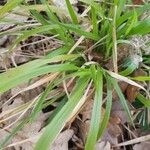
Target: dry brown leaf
<point x="27" y="142"/>
<point x="30" y="131"/>
<point x="18" y="101"/>
<point x="114" y="130"/>
<point x="61" y="143"/>
<point x="114" y="119"/>
<point x="122" y="53"/>
<point x="86" y="118"/>
<point x="102" y="146"/>
<point x="28" y="136"/>
<point x="123" y="87"/>
<point x="142" y="146"/>
<point x="132" y="91"/>
<point x="110" y="138"/>
<point x="118" y="111"/>
<point x="62" y="4"/>
<point x="14" y="17"/>
<point x="137" y="2"/>
<point x="117" y="117"/>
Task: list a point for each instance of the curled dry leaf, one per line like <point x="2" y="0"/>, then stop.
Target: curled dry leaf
<point x="129" y="87"/>
<point x="139" y="72"/>
<point x="123" y="86"/>
<point x="118" y="116"/>
<point x="114" y="119"/>
<point x="114" y="130"/>
<point x="132" y="91"/>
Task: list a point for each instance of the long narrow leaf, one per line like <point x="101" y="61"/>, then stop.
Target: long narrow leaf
<point x="94" y="20"/>
<point x="39" y="17"/>
<point x="13" y="132"/>
<point x="80" y="31"/>
<point x="127" y="15"/>
<point x="132" y="23"/>
<point x="58" y="122"/>
<point x="23" y="73"/>
<point x="28" y="33"/>
<point x="122" y="99"/>
<point x="53" y="18"/>
<point x="71" y="12"/>
<point x="105" y="120"/>
<point x="121" y="5"/>
<point x="20" y="78"/>
<point x="96" y="113"/>
<point x="9" y="6"/>
<point x="97" y="7"/>
<point x="144" y="100"/>
<point x="142" y="27"/>
<point x="141" y="78"/>
<point x="128" y="70"/>
<point x="53" y="84"/>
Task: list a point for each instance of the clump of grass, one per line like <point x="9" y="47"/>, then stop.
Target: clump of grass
<point x="109" y="24"/>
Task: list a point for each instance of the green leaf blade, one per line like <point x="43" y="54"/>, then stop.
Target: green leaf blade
<point x="122" y="99"/>
<point x="105" y="120"/>
<point x="58" y="122"/>
<point x="9" y="6"/>
<point x="23" y="73"/>
<point x="71" y="12"/>
<point x="96" y="113"/>
<point x="142" y="27"/>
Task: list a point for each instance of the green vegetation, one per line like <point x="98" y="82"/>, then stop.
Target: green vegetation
<point x="106" y="25"/>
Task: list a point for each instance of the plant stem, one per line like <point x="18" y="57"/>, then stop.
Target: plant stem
<point x="114" y="38"/>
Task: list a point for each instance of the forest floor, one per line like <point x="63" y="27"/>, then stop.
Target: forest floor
<point x="74" y="75"/>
